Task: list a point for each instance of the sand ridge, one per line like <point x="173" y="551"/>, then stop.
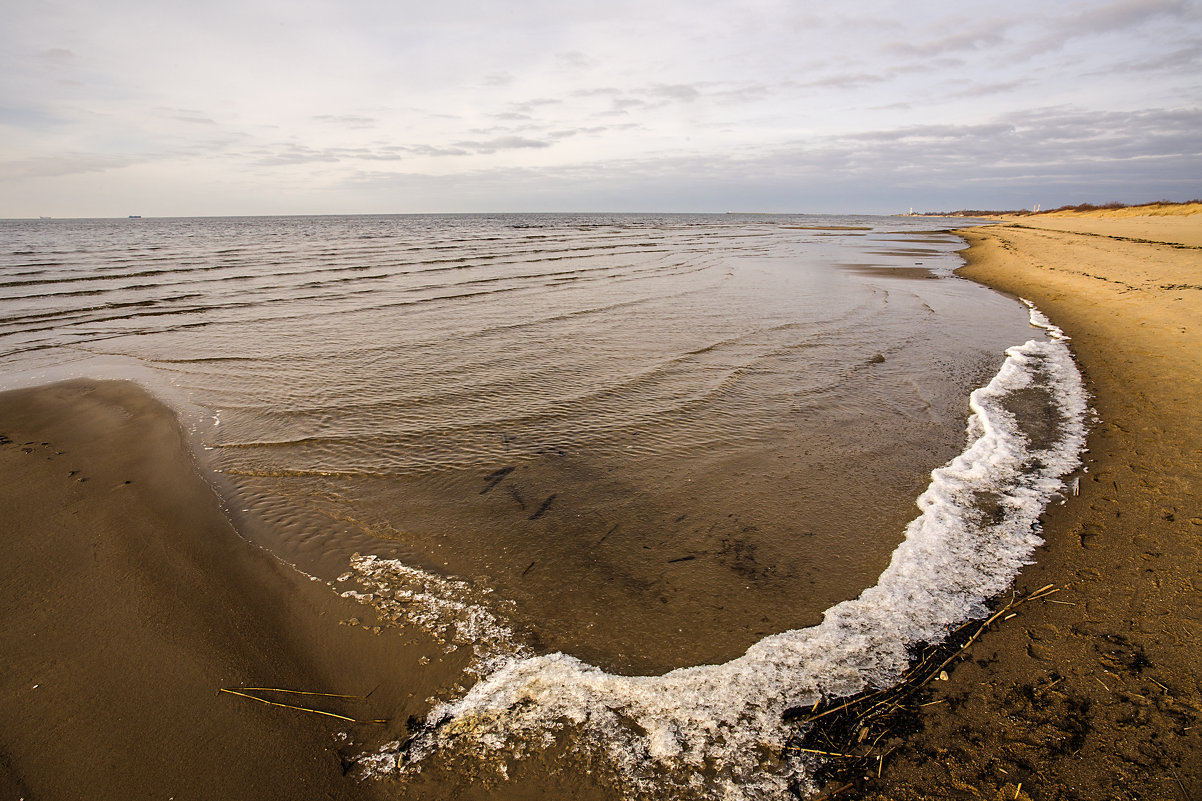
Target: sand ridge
<point x="1178" y="231"/>
<point x="1127" y="212"/>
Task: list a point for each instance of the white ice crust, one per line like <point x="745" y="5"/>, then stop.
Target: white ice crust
<point x="718" y="729"/>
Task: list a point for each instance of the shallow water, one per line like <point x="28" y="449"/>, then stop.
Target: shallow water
<point x="648" y="441"/>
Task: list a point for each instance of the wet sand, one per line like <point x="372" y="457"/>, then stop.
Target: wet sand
<point x="127" y="600"/>
<point x="1093" y="693"/>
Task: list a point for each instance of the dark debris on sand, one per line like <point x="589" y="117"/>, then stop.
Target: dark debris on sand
<point x="852" y="738"/>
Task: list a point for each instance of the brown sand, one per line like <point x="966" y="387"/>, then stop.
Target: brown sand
<point x="1178" y="228"/>
<point x="1094" y="693"/>
<point x="127" y="600"/>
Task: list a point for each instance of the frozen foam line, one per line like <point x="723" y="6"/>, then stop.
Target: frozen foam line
<point x="717" y="729"/>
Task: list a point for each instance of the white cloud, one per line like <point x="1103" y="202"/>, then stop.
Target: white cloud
<point x="58" y="165"/>
<point x="647" y="100"/>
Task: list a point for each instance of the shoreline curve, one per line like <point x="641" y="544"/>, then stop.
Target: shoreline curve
<point x="1096" y="696"/>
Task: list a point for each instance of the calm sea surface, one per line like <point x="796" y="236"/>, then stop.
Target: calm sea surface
<point x="647" y="441"/>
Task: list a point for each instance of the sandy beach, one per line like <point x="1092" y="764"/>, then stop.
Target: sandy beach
<point x="128" y="600"/>
<point x="1093" y="693"/>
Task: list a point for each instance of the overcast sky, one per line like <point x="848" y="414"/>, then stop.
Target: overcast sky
<point x="344" y="106"/>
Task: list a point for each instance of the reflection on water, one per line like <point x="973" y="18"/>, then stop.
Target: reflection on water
<point x="656" y="438"/>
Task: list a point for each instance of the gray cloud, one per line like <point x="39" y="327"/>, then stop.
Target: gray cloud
<point x="845" y="81"/>
<point x="348" y="120"/>
<point x="1182" y="58"/>
<point x="748" y="92"/>
<point x="649" y="97"/>
<point x="680" y="92"/>
<point x="1124" y="15"/>
<point x="528" y="106"/>
<point x="1129" y="19"/>
<point x="1036" y="146"/>
<point x="184" y="115"/>
<point x="573" y="59"/>
<point x="987" y="89"/>
<point x="503" y="143"/>
<point x="30" y="117"/>
<point x="431" y="150"/>
<point x="625" y="103"/>
<point x="62" y="164"/>
<point x="593" y="130"/>
<point x="57" y="55"/>
<point x="968" y="34"/>
<point x="599" y="91"/>
<point x="1054" y="155"/>
<point x="291" y="153"/>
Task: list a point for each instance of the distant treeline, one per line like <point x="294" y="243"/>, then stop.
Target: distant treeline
<point x="1078" y="207"/>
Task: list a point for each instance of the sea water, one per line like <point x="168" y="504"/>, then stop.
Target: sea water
<point x="663" y="476"/>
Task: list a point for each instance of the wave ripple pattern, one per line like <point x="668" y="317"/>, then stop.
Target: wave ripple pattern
<point x="717" y="730"/>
